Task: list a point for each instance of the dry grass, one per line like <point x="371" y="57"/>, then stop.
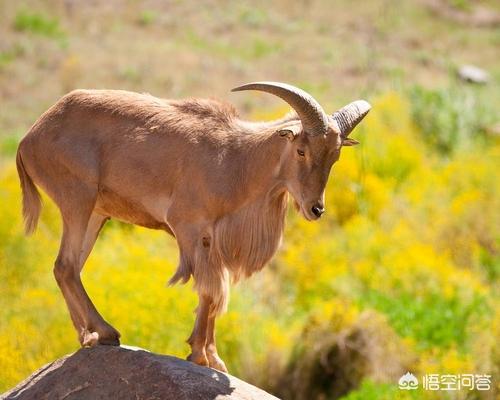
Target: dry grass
<point x="335" y="356"/>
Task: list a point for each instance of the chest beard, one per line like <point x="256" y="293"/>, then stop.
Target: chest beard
<point x="248" y="238"/>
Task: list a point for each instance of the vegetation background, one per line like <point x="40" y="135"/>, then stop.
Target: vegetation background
<point x="403" y="272"/>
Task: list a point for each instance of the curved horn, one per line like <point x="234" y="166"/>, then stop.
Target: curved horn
<point x="351" y="115"/>
<point x="313" y="118"/>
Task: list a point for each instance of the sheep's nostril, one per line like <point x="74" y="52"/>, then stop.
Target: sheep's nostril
<point x="317" y="211"/>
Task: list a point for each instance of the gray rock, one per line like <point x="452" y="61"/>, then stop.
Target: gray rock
<point x="108" y="372"/>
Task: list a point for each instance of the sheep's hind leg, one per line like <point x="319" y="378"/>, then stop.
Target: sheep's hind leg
<point x="80" y="228"/>
<point x="105" y="333"/>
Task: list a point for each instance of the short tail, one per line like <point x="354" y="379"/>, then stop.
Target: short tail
<point x="32" y="202"/>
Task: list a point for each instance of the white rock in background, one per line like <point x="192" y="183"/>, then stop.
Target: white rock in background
<point x="471" y="73"/>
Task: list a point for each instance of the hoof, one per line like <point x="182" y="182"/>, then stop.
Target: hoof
<point x="105" y="335"/>
<point x="216" y="362"/>
<point x="108" y="335"/>
<point x="199" y="358"/>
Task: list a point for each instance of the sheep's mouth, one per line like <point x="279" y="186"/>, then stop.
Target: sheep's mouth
<point x="305" y="212"/>
<point x="299" y="208"/>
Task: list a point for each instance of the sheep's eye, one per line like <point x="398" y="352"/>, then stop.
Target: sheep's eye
<point x="300" y="153"/>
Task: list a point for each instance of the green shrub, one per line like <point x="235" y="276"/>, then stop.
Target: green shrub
<point x="147" y="17"/>
<point x="432" y="320"/>
<point x="38" y="24"/>
<point x="451" y="117"/>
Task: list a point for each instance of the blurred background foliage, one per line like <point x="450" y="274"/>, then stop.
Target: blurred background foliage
<point x="403" y="272"/>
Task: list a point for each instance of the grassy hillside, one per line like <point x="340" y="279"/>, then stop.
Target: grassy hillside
<point x="338" y="50"/>
<point x="402" y="274"/>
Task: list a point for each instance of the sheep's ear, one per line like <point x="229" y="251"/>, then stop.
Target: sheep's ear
<point x="290" y="132"/>
<point x="349" y="142"/>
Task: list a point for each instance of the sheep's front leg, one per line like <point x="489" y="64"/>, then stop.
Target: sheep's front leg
<point x="199" y="259"/>
<point x="211" y="350"/>
<point x="198" y="338"/>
